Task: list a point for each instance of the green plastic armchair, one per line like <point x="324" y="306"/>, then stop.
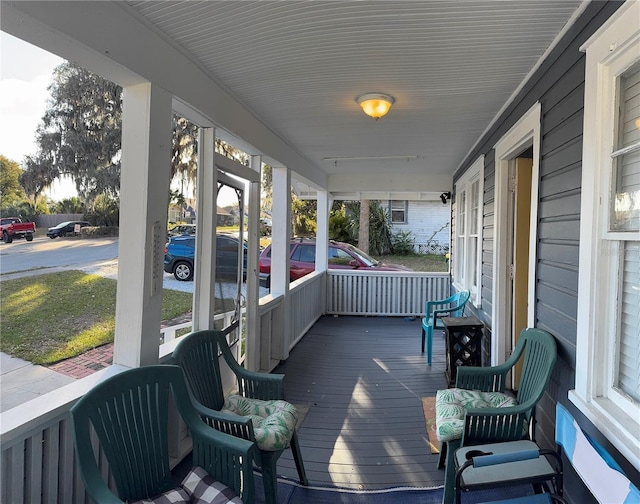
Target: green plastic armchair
<point x="129" y="414"/>
<point x="453" y="306"/>
<point x="497" y="424"/>
<point x="198" y="355"/>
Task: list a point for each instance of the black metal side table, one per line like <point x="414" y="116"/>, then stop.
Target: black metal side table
<point x="463" y="339"/>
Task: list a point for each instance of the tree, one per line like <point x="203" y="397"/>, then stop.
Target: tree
<point x="105" y="211"/>
<point x="37" y="176"/>
<point x="380" y="237"/>
<point x="266" y="183"/>
<point x="184" y="149"/>
<point x="73" y="205"/>
<point x="81" y="131"/>
<point x="304" y="214"/>
<point x="80" y="136"/>
<point x="11" y="191"/>
<point x="363" y="235"/>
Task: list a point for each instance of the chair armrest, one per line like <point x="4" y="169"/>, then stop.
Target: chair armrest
<point x="440" y="312"/>
<point x="253" y="384"/>
<point x="228" y="423"/>
<point x="211" y="447"/>
<point x="484" y="379"/>
<point x="431" y="304"/>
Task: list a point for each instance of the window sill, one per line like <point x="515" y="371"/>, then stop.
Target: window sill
<point x="619" y="428"/>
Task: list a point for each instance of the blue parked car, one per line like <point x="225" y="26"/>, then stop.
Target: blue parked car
<point x="180" y="250"/>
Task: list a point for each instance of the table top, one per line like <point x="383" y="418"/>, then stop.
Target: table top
<point x="461" y="321"/>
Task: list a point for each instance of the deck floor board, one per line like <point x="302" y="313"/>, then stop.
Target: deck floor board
<point x="363" y="379"/>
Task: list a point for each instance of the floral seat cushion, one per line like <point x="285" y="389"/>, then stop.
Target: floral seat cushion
<point x="273" y="421"/>
<point x="452" y="404"/>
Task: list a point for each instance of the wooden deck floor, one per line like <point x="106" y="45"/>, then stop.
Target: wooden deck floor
<point x="363" y="379"/>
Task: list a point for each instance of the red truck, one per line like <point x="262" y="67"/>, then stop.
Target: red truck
<point x="13" y="227"/>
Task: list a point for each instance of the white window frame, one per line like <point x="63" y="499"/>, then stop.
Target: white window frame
<point x="405" y="211"/>
<point x="610" y="51"/>
<point x="462" y="266"/>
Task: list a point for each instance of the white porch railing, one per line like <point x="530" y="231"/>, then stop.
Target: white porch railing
<point x="390" y="293"/>
<point x="38" y="463"/>
<point x="306" y="305"/>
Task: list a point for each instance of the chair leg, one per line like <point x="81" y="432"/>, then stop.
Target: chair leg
<point x="429" y="344"/>
<point x="422" y="337"/>
<point x="450" y="472"/>
<point x="443" y="455"/>
<point x="269" y="476"/>
<point x="297" y="457"/>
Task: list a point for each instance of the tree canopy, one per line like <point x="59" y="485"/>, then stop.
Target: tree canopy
<point x="80" y="133"/>
<point x="80" y="136"/>
<point x="11" y="191"/>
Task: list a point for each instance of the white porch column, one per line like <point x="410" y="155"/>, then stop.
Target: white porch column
<point x="322" y="233"/>
<point x="204" y="279"/>
<point x="252" y="360"/>
<point x="144" y="199"/>
<point x="281" y="236"/>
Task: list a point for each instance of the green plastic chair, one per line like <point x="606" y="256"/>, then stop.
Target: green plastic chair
<point x="128" y="413"/>
<point x="453" y="306"/>
<point x="198" y="355"/>
<point x="494" y="425"/>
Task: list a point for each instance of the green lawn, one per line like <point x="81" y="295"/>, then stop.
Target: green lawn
<point x="48" y="318"/>
<point x="418" y="262"/>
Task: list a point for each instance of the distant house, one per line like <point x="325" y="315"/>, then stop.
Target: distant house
<point x="427" y="221"/>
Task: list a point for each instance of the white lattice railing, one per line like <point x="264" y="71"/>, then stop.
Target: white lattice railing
<point x="389" y="293"/>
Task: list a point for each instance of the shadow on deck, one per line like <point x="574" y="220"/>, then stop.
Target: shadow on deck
<point x="363" y="379"/>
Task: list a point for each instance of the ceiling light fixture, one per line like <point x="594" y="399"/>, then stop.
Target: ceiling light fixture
<point x="445" y="196"/>
<point x="375" y="104"/>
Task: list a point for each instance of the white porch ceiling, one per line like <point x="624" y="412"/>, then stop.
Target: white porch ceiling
<point x="298" y="66"/>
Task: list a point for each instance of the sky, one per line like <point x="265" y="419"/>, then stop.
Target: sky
<point x="25" y="74"/>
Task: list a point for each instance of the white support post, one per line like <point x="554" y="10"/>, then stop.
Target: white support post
<point x="144" y="198"/>
<point x="252" y="360"/>
<point x="281" y="236"/>
<point x="322" y="233"/>
<point x="204" y="280"/>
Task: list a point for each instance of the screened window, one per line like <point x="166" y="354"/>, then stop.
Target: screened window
<point x="398" y="211"/>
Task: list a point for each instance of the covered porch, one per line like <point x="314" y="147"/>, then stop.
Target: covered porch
<point x="463" y="76"/>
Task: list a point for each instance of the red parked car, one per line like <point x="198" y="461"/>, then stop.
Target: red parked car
<point x="303" y="258"/>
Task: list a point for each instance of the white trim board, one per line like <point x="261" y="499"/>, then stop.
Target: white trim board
<point x="524" y="134"/>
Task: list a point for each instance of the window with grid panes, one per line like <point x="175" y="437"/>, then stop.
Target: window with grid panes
<point x="398" y="211"/>
<point x="468" y="236"/>
<point x="608" y="319"/>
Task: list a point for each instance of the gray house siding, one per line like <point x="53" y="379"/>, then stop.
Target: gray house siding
<point x="559" y="86"/>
